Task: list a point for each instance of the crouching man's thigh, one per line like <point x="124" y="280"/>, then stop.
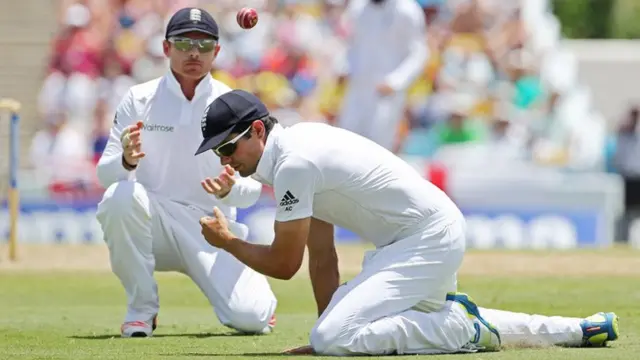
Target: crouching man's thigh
<point x="124" y="200"/>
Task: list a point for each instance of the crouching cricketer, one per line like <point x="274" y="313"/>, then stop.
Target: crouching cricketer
<point x="404" y="301"/>
<point x="154" y="190"/>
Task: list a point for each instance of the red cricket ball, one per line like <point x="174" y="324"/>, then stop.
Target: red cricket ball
<point x="247" y="18"/>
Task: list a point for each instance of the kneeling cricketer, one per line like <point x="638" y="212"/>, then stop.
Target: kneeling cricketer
<point x="405" y="299"/>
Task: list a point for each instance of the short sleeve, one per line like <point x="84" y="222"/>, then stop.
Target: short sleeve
<point x="295" y="184"/>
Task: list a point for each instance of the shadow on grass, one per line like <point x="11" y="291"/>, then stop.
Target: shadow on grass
<point x="258" y="355"/>
<point x="185" y="335"/>
<point x="244" y="355"/>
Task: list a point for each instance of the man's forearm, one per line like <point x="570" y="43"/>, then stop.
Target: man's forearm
<point x="261" y="258"/>
<point x="325" y="278"/>
<point x="110" y="169"/>
<point x="244" y="193"/>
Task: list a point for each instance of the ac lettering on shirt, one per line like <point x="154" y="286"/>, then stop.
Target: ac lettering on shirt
<point x="288" y="200"/>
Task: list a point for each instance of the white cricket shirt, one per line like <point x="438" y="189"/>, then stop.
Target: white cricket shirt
<point x="345" y="179"/>
<point x="170" y="138"/>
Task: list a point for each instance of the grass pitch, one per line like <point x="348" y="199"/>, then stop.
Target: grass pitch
<point x="65" y="314"/>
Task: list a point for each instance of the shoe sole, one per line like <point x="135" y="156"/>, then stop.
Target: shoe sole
<point x="614" y="327"/>
<point x="472" y="310"/>
<point x="139" y="334"/>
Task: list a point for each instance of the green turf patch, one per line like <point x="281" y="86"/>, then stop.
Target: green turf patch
<point x="77" y="316"/>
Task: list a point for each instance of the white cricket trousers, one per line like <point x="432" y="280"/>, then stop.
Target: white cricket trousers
<point x="145" y="233"/>
<point x="397" y="305"/>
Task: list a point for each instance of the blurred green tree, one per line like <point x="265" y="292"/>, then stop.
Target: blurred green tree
<point x="586" y="19"/>
<point x="624" y="19"/>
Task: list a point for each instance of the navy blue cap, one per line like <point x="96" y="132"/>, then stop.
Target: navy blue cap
<point x="225" y="112"/>
<point x="191" y="19"/>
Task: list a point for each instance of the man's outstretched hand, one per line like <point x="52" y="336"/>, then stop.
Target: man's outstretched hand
<point x="220" y="186"/>
<point x="132" y="144"/>
<point x="301" y="350"/>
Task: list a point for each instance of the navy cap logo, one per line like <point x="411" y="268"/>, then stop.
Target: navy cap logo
<point x="203" y="122"/>
<point x="195" y="15"/>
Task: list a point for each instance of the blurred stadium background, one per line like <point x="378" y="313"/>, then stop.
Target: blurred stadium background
<point x="539" y="148"/>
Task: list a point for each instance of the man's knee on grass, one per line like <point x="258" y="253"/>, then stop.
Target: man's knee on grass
<point x="245" y="319"/>
<point x="330" y="338"/>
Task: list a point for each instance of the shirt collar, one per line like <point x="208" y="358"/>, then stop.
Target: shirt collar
<point x="264" y="170"/>
<point x="203" y="87"/>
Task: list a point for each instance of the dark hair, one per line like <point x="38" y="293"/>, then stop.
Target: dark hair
<point x="268" y="121"/>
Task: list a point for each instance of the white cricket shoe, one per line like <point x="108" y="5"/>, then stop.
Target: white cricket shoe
<point x="138" y="328"/>
<point x="269" y="328"/>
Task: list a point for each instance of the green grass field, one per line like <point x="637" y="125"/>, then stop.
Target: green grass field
<point x="65" y="314"/>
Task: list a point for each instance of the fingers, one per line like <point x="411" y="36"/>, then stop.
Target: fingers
<point x="131" y="139"/>
<point x="211" y="186"/>
<point x="131" y="143"/>
<point x="138" y="155"/>
<point x="227" y="179"/>
<point x="129" y="129"/>
<point x="229" y="170"/>
<point x="217" y="213"/>
<point x="134" y="135"/>
<point x="220" y="184"/>
<point x="208" y="186"/>
<point x="204" y="185"/>
<point x="132" y="146"/>
<point x="301" y="350"/>
<point x="216" y="186"/>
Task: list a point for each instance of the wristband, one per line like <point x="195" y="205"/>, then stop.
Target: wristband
<point x="128" y="166"/>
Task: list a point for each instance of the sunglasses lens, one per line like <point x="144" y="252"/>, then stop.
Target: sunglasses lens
<point x="226" y="150"/>
<point x="205" y="46"/>
<point x="182" y="44"/>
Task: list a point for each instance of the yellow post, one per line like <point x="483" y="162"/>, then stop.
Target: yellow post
<point x="13" y="107"/>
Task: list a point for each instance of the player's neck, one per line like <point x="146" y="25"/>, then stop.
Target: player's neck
<point x="187" y="85"/>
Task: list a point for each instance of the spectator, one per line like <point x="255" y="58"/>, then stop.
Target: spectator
<point x="460" y="126"/>
<point x="507" y="137"/>
<point x="627" y="163"/>
<point x="522" y="73"/>
<point x="379" y="76"/>
<point x="59" y="153"/>
<point x="488" y="52"/>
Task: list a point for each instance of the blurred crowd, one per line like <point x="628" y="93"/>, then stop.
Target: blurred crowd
<point x="497" y="78"/>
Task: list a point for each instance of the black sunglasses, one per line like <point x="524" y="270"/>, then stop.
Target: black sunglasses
<point x="187" y="44"/>
<point x="229" y="147"/>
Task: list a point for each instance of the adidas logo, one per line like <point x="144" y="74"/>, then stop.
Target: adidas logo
<point x="288" y="199"/>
